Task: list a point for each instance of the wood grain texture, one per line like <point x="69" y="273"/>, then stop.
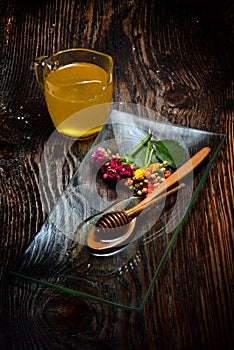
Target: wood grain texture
<point x="174" y="57"/>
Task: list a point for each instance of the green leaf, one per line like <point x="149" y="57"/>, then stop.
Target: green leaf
<point x="141" y="153"/>
<point x="139" y="147"/>
<point x="149" y="151"/>
<point x="169" y="150"/>
<point x="142" y="157"/>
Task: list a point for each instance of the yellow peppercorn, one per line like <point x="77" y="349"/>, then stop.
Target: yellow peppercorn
<point x="139" y="173"/>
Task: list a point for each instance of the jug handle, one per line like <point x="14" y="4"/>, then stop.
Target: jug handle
<point x="38" y="68"/>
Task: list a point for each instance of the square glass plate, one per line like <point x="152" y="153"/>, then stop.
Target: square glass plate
<point x="58" y="256"/>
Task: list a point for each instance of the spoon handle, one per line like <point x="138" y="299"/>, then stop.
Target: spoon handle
<point x="179" y="174"/>
<point x="156" y="199"/>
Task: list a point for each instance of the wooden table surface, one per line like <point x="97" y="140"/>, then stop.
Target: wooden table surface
<point x="174" y="57"/>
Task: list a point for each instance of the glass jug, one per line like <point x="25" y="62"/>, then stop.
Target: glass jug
<point x="77" y="84"/>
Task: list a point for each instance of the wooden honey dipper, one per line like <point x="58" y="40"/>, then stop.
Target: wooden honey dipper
<point x="106" y="242"/>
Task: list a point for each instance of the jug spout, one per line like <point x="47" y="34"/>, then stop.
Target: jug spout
<point x="39" y="65"/>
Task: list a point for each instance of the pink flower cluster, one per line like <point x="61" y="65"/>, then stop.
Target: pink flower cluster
<point x="115" y="170"/>
<point x="100" y="155"/>
<point x="112" y="169"/>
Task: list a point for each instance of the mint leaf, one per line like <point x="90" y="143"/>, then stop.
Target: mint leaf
<point x="139" y="147"/>
<point x="142" y="157"/>
<point x="169" y="150"/>
<point x="149" y="151"/>
<point x="141" y="153"/>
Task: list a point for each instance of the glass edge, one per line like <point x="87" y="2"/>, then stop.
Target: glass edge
<point x="166" y="122"/>
<point x="74" y="292"/>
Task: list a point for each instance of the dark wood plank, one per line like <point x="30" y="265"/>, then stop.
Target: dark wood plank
<point x="174" y="57"/>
